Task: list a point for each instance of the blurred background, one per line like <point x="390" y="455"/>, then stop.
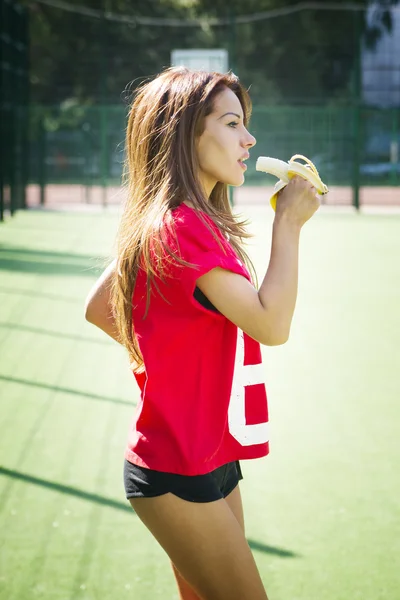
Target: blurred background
<point x="324" y="80"/>
<point x="322" y="510"/>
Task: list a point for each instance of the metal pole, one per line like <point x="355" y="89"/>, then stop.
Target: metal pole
<point x="394" y="147"/>
<point x="19" y="48"/>
<point x="357" y="110"/>
<point x="103" y="110"/>
<point x="232" y="40"/>
<point x="2" y="109"/>
<point x="25" y="108"/>
<point x="232" y="66"/>
<point x="42" y="160"/>
<point x="13" y="70"/>
<point x="88" y="155"/>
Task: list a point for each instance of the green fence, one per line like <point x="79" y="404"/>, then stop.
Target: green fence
<point x="13" y="105"/>
<point x="74" y="132"/>
<point x="77" y="145"/>
<point x="349" y="146"/>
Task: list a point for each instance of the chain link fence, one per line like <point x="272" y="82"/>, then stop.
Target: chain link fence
<point x="321" y="83"/>
<point x="14" y="93"/>
<point x="87" y="147"/>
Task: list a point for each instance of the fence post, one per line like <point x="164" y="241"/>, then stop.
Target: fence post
<point x="2" y="111"/>
<point x="88" y="161"/>
<point x="13" y="79"/>
<point x="103" y="106"/>
<point x="1" y="171"/>
<point x="42" y="160"/>
<point x="357" y="110"/>
<point x="104" y="151"/>
<point x="394" y="147"/>
<point x="232" y="66"/>
<point x="13" y="143"/>
<point x="25" y="109"/>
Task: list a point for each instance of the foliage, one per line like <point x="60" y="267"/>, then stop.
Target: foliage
<point x="305" y="57"/>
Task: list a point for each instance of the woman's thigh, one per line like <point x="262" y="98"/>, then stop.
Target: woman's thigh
<point x="234" y="501"/>
<point x="206" y="543"/>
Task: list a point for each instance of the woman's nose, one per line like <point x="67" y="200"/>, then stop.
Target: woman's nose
<point x="250" y="140"/>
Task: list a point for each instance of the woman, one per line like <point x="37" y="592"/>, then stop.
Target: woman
<point x="180" y="296"/>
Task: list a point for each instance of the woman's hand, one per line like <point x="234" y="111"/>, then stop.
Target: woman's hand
<point x="297" y="202"/>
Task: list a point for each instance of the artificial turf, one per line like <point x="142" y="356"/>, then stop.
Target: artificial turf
<point x="322" y="511"/>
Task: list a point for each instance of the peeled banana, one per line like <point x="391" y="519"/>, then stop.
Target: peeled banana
<point x="284" y="171"/>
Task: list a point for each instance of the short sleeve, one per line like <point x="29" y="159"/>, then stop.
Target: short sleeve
<point x="204" y="247"/>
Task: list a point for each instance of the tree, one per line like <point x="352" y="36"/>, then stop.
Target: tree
<point x="306" y="56"/>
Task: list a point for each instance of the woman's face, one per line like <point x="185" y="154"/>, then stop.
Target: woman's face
<point x="224" y="143"/>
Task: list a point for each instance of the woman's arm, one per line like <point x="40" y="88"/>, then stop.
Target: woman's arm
<point x="97" y="308"/>
<point x="266" y="315"/>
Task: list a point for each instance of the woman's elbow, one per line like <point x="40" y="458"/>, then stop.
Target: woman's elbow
<point x="88" y="312"/>
<point x="278" y="341"/>
<point x="91" y="314"/>
<point x="97" y="304"/>
<point x="275" y="338"/>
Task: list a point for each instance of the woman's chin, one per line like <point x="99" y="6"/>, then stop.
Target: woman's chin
<point x="234" y="180"/>
<point x="237" y="181"/>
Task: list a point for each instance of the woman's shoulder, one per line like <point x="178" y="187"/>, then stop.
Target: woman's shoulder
<point x="185" y="216"/>
<point x="187" y="212"/>
<point x="195" y="225"/>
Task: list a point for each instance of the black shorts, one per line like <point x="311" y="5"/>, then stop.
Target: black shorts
<point x="147" y="483"/>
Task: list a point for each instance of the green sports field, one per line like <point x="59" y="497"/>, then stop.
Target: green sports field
<point x="322" y="511"/>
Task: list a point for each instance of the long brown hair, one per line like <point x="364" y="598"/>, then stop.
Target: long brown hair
<point x="161" y="171"/>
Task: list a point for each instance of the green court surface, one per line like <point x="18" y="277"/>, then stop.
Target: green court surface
<point x="322" y="511"/>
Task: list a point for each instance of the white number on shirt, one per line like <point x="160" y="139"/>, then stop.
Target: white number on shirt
<point x="244" y="375"/>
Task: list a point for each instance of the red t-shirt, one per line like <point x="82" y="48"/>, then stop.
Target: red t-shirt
<point x="203" y="401"/>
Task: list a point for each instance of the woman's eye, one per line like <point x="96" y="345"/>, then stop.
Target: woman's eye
<point x="233" y="124"/>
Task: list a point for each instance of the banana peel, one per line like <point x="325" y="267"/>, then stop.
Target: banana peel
<point x="284" y="171"/>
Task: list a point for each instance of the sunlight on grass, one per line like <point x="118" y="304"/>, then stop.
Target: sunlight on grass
<point x="321" y="511"/>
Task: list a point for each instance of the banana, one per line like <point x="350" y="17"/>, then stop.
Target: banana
<point x="284" y="171"/>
